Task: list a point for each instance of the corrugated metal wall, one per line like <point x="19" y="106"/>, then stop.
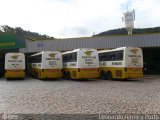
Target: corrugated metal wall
<point x="145" y="40"/>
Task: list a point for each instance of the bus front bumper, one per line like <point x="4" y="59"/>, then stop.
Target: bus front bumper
<point x="88" y="73"/>
<point x="133" y="75"/>
<point x="47" y="73"/>
<point x="14" y="73"/>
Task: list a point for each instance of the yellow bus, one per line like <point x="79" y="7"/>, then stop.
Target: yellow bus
<point x="121" y="63"/>
<point x="45" y="64"/>
<point x="80" y="63"/>
<point x="14" y="65"/>
<point x="1" y="65"/>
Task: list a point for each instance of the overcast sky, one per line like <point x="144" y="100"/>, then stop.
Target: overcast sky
<point x="76" y="18"/>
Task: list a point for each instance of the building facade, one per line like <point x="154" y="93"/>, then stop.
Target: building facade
<point x="150" y="44"/>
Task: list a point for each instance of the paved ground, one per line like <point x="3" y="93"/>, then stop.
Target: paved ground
<point x="141" y="96"/>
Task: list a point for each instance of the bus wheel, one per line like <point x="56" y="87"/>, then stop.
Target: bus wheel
<point x="36" y="75"/>
<point x="103" y="75"/>
<point x="64" y="75"/>
<point x="69" y="76"/>
<point x="109" y="76"/>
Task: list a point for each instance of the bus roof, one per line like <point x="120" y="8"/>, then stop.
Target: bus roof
<point x="14" y="53"/>
<point x="115" y="49"/>
<point x="75" y="50"/>
<point x="42" y="52"/>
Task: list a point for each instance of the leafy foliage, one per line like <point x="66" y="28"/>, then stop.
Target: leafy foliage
<point x="23" y="33"/>
<point x="122" y="31"/>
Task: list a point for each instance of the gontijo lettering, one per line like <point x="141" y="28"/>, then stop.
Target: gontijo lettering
<point x="7" y="44"/>
<point x="116" y="63"/>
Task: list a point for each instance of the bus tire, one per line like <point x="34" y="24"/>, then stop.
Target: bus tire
<point x="69" y="76"/>
<point x="109" y="76"/>
<point x="36" y="75"/>
<point x="9" y="78"/>
<point x="103" y="75"/>
<point x="64" y="75"/>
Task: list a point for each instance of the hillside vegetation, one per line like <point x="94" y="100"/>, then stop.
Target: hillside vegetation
<point x="36" y="36"/>
<point x="23" y="33"/>
<point x="122" y="31"/>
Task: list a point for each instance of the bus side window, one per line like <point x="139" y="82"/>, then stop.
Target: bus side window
<point x="113" y="56"/>
<point x="118" y="55"/>
<point x="100" y="56"/>
<point x="36" y="59"/>
<point x="104" y="56"/>
<point x="71" y="57"/>
<point x="64" y="58"/>
<point x="74" y="57"/>
<point x="108" y="56"/>
<point x="121" y="55"/>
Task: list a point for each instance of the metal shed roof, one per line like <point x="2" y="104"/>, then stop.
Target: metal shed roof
<point x="103" y="42"/>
